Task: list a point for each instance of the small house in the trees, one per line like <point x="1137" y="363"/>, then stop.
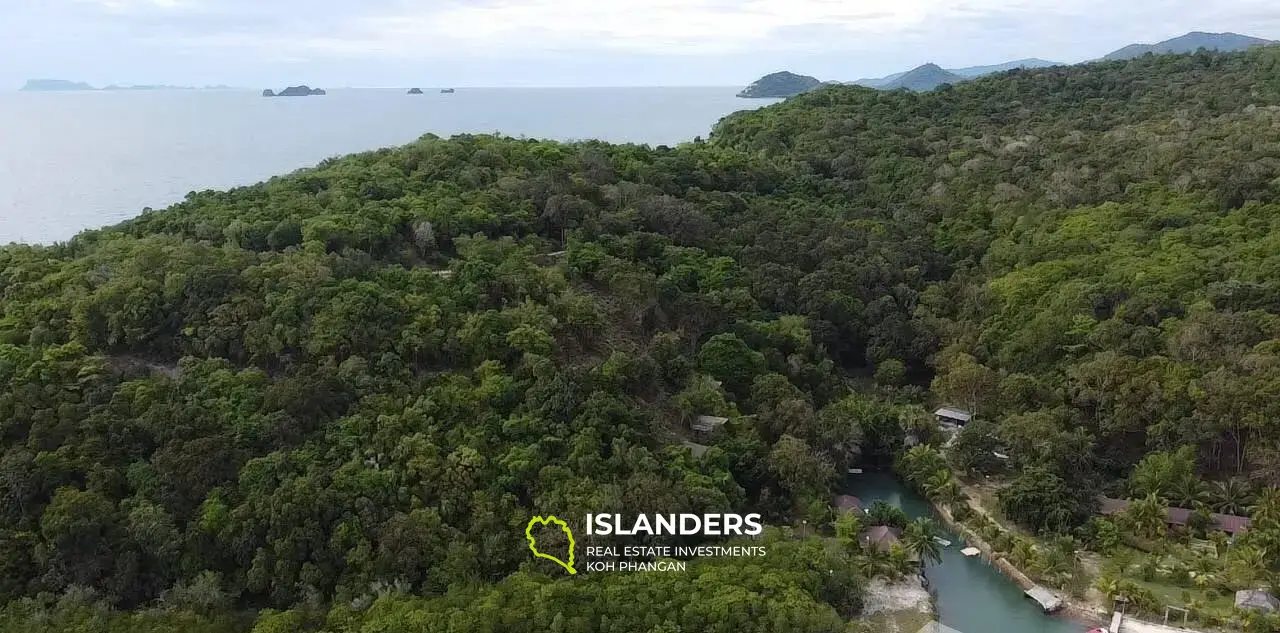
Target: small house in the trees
<point x="707" y="425"/>
<point x="1180" y="517"/>
<point x="1257" y="599"/>
<point x="697" y="450"/>
<point x="880" y="538"/>
<point x="952" y="416"/>
<point x="844" y="504"/>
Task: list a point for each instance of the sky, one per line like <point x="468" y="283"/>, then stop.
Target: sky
<point x="429" y="43"/>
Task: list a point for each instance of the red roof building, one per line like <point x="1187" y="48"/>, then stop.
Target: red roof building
<point x="1229" y="523"/>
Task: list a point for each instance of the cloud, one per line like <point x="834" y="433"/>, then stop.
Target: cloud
<point x="839" y="39"/>
<point x="664" y="27"/>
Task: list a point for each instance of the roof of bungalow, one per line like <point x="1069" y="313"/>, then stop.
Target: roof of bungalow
<point x="706" y="423"/>
<point x="697" y="450"/>
<point x="847" y="503"/>
<point x="1257" y="599"/>
<point x="880" y="537"/>
<point x="1229" y="523"/>
<point x="953" y="414"/>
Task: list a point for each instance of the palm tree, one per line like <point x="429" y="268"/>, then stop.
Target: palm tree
<point x="918" y="539"/>
<point x="1024" y="554"/>
<point x="899" y="561"/>
<point x="1266" y="510"/>
<point x="941" y="486"/>
<point x="1188" y="493"/>
<point x="873" y="563"/>
<point x="1058" y="566"/>
<point x="921" y="461"/>
<point x="1248" y="564"/>
<point x="1231" y="496"/>
<point x="1147" y="516"/>
<point x="1109" y="584"/>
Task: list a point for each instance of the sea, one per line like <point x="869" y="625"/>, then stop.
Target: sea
<point x="81" y="160"/>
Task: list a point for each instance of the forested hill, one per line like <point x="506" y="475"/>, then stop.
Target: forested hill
<point x="1114" y="231"/>
<point x="339" y="395"/>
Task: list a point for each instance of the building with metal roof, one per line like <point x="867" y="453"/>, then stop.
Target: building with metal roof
<point x="950" y="415"/>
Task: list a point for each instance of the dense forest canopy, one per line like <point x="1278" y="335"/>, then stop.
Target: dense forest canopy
<point x="353" y="385"/>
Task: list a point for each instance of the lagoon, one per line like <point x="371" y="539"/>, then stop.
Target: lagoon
<point x="972" y="595"/>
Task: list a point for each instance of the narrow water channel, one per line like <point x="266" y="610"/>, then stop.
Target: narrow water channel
<point x="972" y="595"/>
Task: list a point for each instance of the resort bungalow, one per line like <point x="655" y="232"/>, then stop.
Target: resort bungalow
<point x="708" y="424"/>
<point x="697" y="450"/>
<point x="1178" y="517"/>
<point x="847" y="503"/>
<point x="880" y="538"/>
<point x="1257" y="599"/>
<point x="952" y="416"/>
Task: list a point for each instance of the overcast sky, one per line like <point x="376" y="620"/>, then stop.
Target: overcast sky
<point x="334" y="43"/>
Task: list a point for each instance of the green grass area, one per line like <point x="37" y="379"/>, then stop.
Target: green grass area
<point x="1182" y="596"/>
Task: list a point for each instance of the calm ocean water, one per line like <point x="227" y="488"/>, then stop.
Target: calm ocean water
<point x="73" y="161"/>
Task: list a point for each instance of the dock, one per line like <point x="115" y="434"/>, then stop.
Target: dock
<point x="1045" y="598"/>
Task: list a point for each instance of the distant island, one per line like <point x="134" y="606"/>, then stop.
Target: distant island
<point x="55" y="85"/>
<point x="780" y="85"/>
<point x="415" y="91"/>
<point x="294" y="91"/>
<point x="113" y="87"/>
<point x="63" y="85"/>
<point x="931" y="76"/>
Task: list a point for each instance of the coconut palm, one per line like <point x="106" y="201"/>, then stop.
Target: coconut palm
<point x="1247" y="564"/>
<point x="1109" y="584"/>
<point x="918" y="538"/>
<point x="899" y="561"/>
<point x="1232" y="496"/>
<point x="1188" y="492"/>
<point x="1147" y="516"/>
<point x="942" y="486"/>
<point x="1024" y="554"/>
<point x="1058" y="566"/>
<point x="922" y="461"/>
<point x="1266" y="509"/>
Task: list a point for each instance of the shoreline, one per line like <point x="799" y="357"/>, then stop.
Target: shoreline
<point x="1072" y="609"/>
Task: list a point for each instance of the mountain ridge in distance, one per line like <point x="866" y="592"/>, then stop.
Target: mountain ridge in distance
<point x="924" y="78"/>
<point x="1190" y="43"/>
<point x="968" y="72"/>
<point x="930" y="76"/>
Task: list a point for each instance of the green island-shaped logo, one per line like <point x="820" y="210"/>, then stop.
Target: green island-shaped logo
<point x="533" y="543"/>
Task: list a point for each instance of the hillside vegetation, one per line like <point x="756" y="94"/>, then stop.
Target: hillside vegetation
<point x="333" y="400"/>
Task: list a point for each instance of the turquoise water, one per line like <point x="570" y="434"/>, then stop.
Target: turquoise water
<point x="72" y="161"/>
<point x="972" y="595"/>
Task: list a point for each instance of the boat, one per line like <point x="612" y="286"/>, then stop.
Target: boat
<point x="446" y="91"/>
